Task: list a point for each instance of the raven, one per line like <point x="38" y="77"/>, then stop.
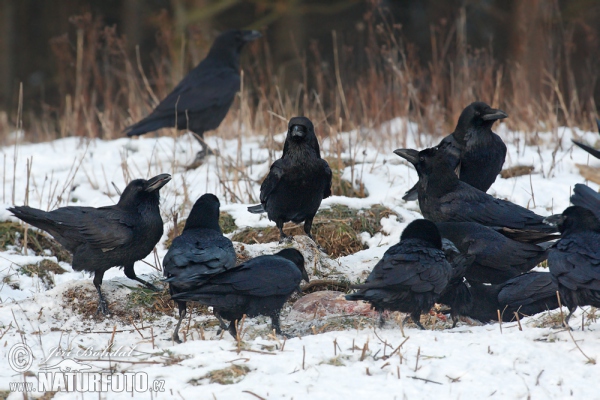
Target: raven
<point x="497" y="258"/>
<point x="297" y="182"/>
<point x="526" y="294"/>
<point x="574" y="260"/>
<point x="259" y="286"/>
<point x="586" y="197"/>
<point x="106" y="237"/>
<point x="589" y="149"/>
<point x="199" y="253"/>
<point x="202" y="99"/>
<point x="443" y="198"/>
<point x="473" y="151"/>
<point x="410" y="276"/>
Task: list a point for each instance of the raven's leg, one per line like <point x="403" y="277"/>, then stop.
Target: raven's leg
<point x="571" y="311"/>
<point x="205" y="151"/>
<point x="282" y="236"/>
<point x="454" y="320"/>
<point x="275" y="322"/>
<point x="381" y="319"/>
<point x="416" y="317"/>
<point x="130" y="273"/>
<point x="232" y="329"/>
<point x="182" y="311"/>
<point x="222" y="324"/>
<point x="102" y="305"/>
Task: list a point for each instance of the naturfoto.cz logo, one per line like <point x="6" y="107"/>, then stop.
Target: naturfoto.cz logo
<point x="69" y="375"/>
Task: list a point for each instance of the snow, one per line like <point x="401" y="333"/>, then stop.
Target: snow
<point x="469" y="361"/>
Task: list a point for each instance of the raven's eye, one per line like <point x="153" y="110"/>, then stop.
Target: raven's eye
<point x="421" y="158"/>
<point x="477" y="113"/>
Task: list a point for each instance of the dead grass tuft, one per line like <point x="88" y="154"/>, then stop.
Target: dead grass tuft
<point x="44" y="270"/>
<point x="11" y="234"/>
<point x="337" y="229"/>
<point x="225" y="376"/>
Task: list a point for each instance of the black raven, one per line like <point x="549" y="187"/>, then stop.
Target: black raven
<point x="410" y="276"/>
<point x="574" y="260"/>
<point x="257" y="287"/>
<point x="443" y="198"/>
<point x="202" y="99"/>
<point x="199" y="253"/>
<point x="526" y="294"/>
<point x="297" y="182"/>
<point x="106" y="237"/>
<point x="586" y="197"/>
<point x="473" y="151"/>
<point x="497" y="258"/>
<point x="590" y="149"/>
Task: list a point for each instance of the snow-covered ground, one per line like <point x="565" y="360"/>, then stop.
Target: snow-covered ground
<point x="466" y="362"/>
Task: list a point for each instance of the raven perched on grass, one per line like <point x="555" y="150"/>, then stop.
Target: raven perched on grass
<point x="202" y="99"/>
<point x="297" y="182"/>
<point x="497" y="258"/>
<point x="526" y="294"/>
<point x="257" y="287"/>
<point x="106" y="237"/>
<point x="590" y="149"/>
<point x="586" y="197"/>
<point x="473" y="151"/>
<point x="574" y="260"/>
<point x="199" y="253"/>
<point x="411" y="275"/>
<point x="443" y="198"/>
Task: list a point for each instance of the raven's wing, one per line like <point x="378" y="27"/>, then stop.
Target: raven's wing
<point x="263" y="276"/>
<point x="466" y="204"/>
<point x="420" y="269"/>
<point x="527" y="289"/>
<point x="193" y="258"/>
<point x="102" y="228"/>
<point x="200" y="91"/>
<point x="272" y="179"/>
<point x="586" y="197"/>
<point x="574" y="261"/>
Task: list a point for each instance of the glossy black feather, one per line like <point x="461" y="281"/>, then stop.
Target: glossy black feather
<point x="496" y="257"/>
<point x="257" y="287"/>
<point x="443" y="198"/>
<point x="475" y="152"/>
<point x="574" y="261"/>
<point x="298" y="181"/>
<point x="410" y="276"/>
<point x="586" y="197"/>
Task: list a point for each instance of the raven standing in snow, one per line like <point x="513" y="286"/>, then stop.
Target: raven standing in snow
<point x="444" y="198"/>
<point x="574" y="260"/>
<point x="411" y="275"/>
<point x="473" y="151"/>
<point x="106" y="237"/>
<point x="259" y="286"/>
<point x="199" y="253"/>
<point x="202" y="99"/>
<point x="297" y="182"/>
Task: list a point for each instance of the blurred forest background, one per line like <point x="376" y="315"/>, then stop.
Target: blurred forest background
<point x="92" y="67"/>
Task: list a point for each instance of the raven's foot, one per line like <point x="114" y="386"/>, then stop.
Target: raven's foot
<point x="285" y="239"/>
<point x="199" y="159"/>
<point x="176" y="338"/>
<point x="147" y="284"/>
<point x="102" y="307"/>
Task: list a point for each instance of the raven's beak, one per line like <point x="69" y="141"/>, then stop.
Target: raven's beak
<point x="493" y="114"/>
<point x="249" y="36"/>
<point x="298" y="131"/>
<point x="157" y="182"/>
<point x="410" y="155"/>
<point x="554" y="220"/>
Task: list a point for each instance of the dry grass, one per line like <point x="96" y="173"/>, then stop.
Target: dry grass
<point x="11" y="234"/>
<point x="44" y="270"/>
<point x="336" y="229"/>
<point x="225" y="376"/>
